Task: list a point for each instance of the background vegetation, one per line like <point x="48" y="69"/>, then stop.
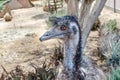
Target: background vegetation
<point x="110" y="48"/>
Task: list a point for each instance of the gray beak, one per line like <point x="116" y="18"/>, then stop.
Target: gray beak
<point x="50" y="35"/>
<point x="46" y="36"/>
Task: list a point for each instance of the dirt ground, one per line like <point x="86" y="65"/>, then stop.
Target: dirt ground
<point x="19" y="38"/>
<point x="108" y="14"/>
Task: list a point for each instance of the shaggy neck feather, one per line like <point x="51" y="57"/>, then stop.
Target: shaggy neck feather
<point x="72" y="53"/>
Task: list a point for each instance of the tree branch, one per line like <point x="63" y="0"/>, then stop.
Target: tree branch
<point x="92" y="16"/>
<point x="84" y="10"/>
<point x="72" y="7"/>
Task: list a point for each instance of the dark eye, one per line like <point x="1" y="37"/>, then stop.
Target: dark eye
<point x="63" y="28"/>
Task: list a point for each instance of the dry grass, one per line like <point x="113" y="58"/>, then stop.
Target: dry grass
<point x="46" y="72"/>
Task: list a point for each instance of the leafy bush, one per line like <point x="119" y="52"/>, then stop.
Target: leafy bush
<point x="110" y="43"/>
<point x="110" y="49"/>
<point x="1" y="8"/>
<point x="1" y="4"/>
<point x="1" y="1"/>
<point x="115" y="74"/>
<point x="111" y="25"/>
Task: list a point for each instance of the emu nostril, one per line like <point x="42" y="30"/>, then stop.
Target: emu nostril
<point x="47" y="35"/>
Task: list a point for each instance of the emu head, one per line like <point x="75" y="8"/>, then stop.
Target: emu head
<point x="62" y="28"/>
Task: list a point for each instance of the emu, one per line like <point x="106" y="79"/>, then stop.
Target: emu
<point x="68" y="30"/>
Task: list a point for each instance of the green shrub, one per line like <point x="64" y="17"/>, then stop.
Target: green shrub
<point x="111" y="25"/>
<point x="110" y="49"/>
<point x="1" y="5"/>
<point x="110" y="43"/>
<point x="113" y="57"/>
<point x="115" y="74"/>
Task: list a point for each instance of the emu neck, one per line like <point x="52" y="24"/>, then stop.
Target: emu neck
<point x="72" y="53"/>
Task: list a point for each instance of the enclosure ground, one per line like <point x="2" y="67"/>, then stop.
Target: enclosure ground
<point x="19" y="38"/>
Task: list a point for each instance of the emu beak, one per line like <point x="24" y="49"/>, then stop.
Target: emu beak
<point x="51" y="34"/>
<point x="46" y="36"/>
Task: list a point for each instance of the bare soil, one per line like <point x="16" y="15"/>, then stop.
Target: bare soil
<point x="108" y="14"/>
<point x="19" y="38"/>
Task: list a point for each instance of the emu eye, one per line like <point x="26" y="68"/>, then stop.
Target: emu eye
<point x="63" y="28"/>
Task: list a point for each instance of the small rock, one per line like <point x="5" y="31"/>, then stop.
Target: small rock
<point x="31" y="35"/>
<point x="7" y="17"/>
